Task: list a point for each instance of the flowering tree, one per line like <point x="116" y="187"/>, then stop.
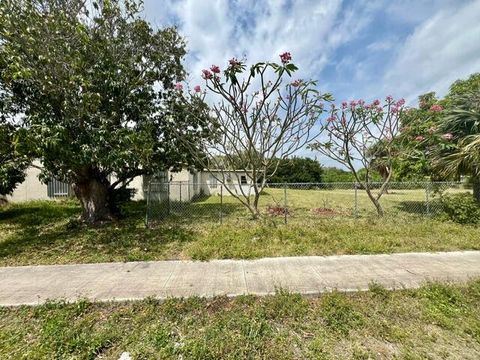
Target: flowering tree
<point x="420" y="137"/>
<point x="260" y="117"/>
<point x="362" y="134"/>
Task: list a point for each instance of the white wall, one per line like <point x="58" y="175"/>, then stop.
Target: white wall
<point x="233" y="185"/>
<point x="31" y="188"/>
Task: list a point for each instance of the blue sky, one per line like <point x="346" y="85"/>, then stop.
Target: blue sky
<point x="355" y="49"/>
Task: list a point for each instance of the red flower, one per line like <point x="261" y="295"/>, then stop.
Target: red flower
<point x="400" y="103"/>
<point x="197" y="88"/>
<point x="206" y="74"/>
<point x="436" y="108"/>
<point x="178" y="87"/>
<point x="389" y="98"/>
<point x="376" y="102"/>
<point x="215" y="69"/>
<point x="285" y="57"/>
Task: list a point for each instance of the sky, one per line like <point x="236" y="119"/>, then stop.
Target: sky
<point x="354" y="49"/>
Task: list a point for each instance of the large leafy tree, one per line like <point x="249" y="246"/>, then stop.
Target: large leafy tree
<point x="95" y="86"/>
<point x="12" y="162"/>
<point x="419" y="140"/>
<point x="297" y="170"/>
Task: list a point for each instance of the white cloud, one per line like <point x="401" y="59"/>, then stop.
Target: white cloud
<point x="217" y="30"/>
<point x="412" y="46"/>
<point x="439" y="51"/>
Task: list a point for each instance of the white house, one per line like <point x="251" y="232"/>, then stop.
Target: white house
<point x="181" y="186"/>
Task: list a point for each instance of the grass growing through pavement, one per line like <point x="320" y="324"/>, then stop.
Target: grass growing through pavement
<point x="435" y="321"/>
<point x="44" y="233"/>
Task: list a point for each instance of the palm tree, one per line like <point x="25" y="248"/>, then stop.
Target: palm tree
<point x="463" y="123"/>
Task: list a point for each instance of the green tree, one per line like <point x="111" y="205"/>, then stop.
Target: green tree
<point x="418" y="139"/>
<point x="333" y="174"/>
<point x="95" y="86"/>
<point x="461" y="127"/>
<point x="12" y="163"/>
<point x="298" y="170"/>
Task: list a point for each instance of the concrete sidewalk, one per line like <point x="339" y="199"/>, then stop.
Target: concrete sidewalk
<point x="307" y="275"/>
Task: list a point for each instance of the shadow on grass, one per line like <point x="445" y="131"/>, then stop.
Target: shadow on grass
<point x="419" y="207"/>
<point x="38" y="213"/>
<point x="41" y="233"/>
<point x="184" y="212"/>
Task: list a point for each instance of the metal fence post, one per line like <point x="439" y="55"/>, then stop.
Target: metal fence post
<point x="356" y="200"/>
<point x="168" y="198"/>
<point x="427" y="198"/>
<point x="221" y="204"/>
<point x="180" y="193"/>
<point x="148" y="202"/>
<point x="285" y="208"/>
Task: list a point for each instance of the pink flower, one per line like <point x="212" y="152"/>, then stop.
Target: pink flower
<point x="436" y="108"/>
<point x="419" y="138"/>
<point x="389" y="98"/>
<point x="285" y="57"/>
<point x="376" y="102"/>
<point x="361" y="102"/>
<point x="400" y="103"/>
<point x="215" y="69"/>
<point x="353" y="103"/>
<point x="197" y="88"/>
<point x="394" y="110"/>
<point x="447" y="136"/>
<point x="331" y="119"/>
<point x="206" y="74"/>
<point x="234" y="62"/>
<point x="178" y="87"/>
<point x="297" y="83"/>
<point x="344" y="105"/>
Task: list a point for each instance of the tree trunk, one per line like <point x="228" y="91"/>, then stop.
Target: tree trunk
<point x="93" y="196"/>
<point x="375" y="202"/>
<point x="476" y="188"/>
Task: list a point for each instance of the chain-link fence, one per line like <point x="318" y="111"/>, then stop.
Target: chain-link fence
<point x="216" y="203"/>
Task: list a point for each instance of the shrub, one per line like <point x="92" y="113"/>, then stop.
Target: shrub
<point x="461" y="208"/>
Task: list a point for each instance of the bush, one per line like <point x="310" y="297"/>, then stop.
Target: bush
<point x="461" y="208"/>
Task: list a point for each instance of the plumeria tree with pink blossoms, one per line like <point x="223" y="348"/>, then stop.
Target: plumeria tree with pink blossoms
<point x="359" y="135"/>
<point x="261" y="116"/>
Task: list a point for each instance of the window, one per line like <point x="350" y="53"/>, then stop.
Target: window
<point x="213" y="182"/>
<point x="243" y="179"/>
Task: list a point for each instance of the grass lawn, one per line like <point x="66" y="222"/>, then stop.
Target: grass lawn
<point x="434" y="322"/>
<point x="43" y="232"/>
